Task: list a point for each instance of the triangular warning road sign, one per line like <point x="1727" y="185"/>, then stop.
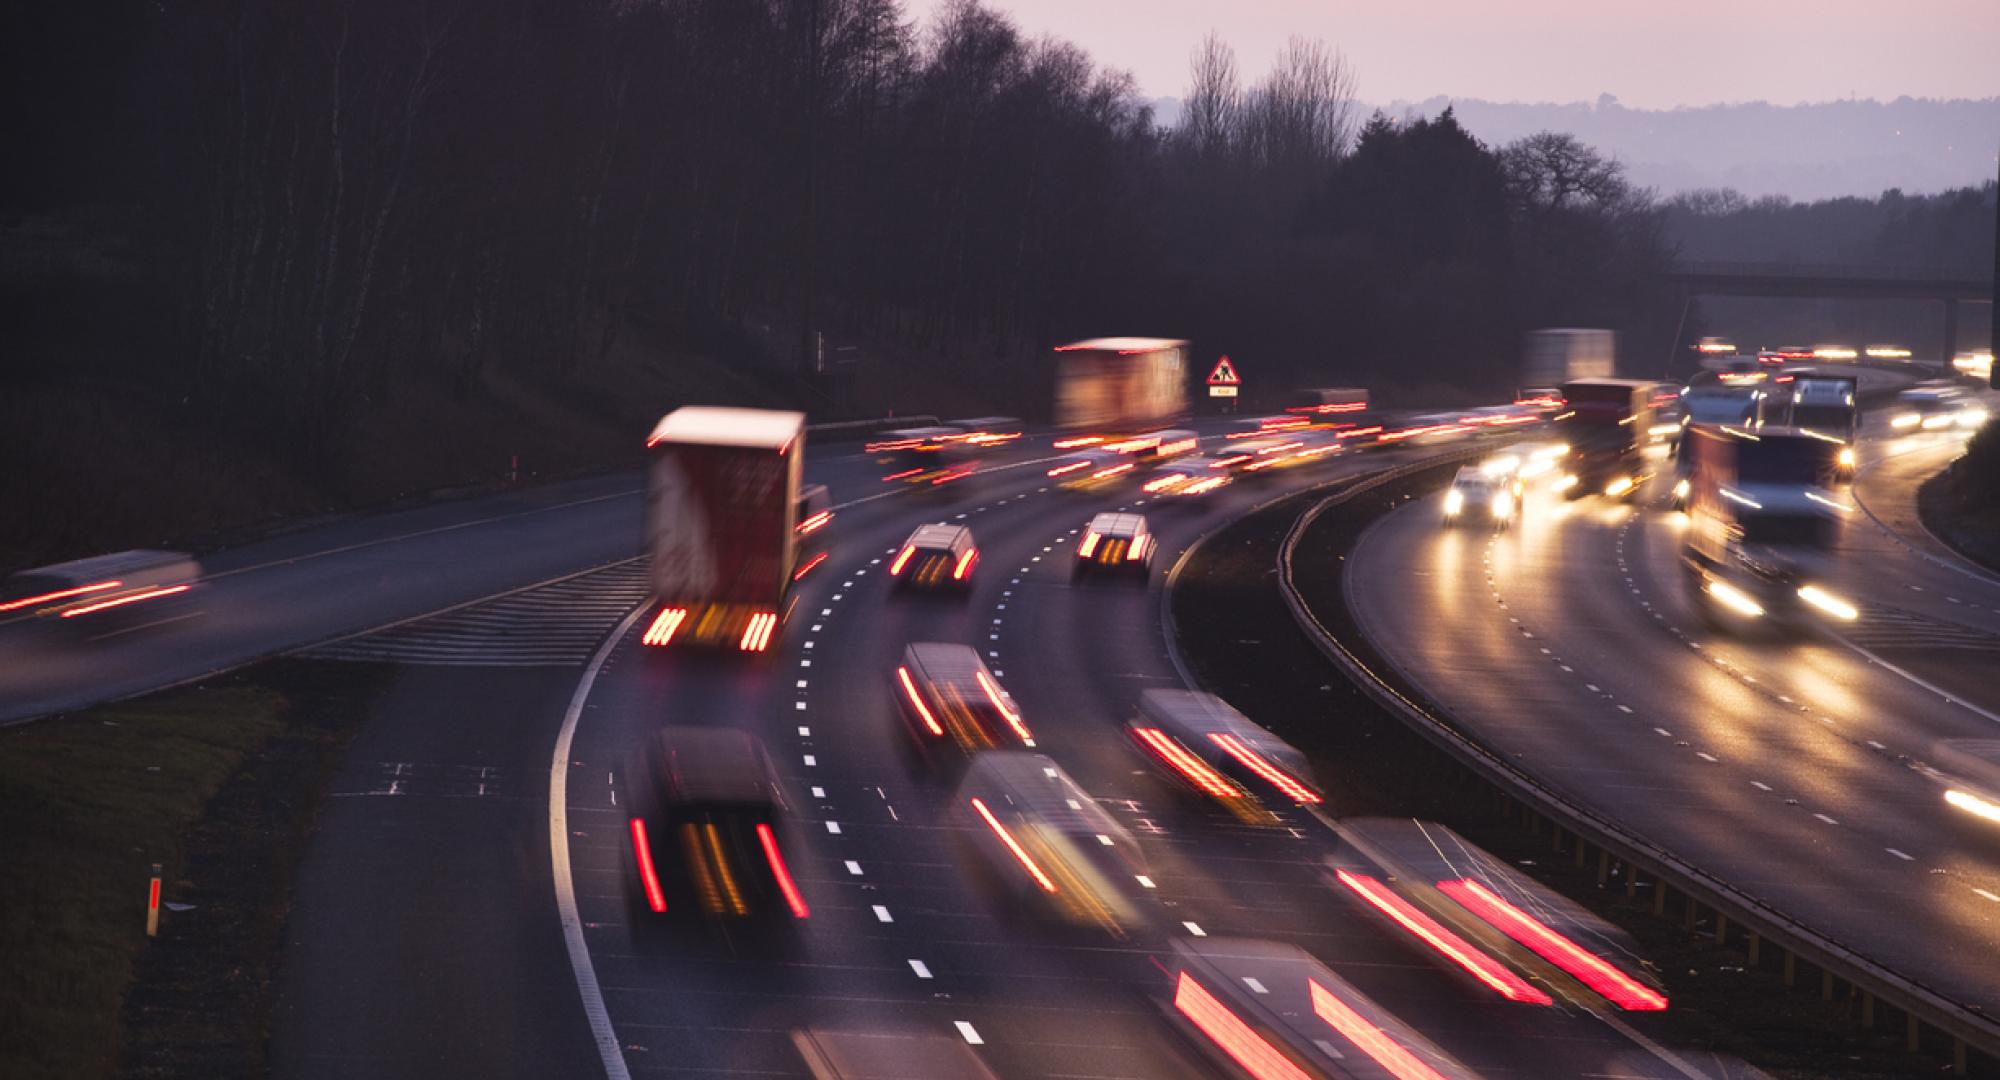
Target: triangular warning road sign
<point x="1224" y="374"/>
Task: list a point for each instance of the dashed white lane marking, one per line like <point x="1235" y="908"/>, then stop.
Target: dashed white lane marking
<point x="1195" y="929"/>
<point x="1256" y="986"/>
<point x="805" y="732"/>
<point x="799" y="705"/>
<point x="1144" y="881"/>
<point x="1664" y="733"/>
<point x="1760" y="785"/>
<point x="1826" y="819"/>
<point x="1900" y="855"/>
<point x="922" y="971"/>
<point x="833" y="827"/>
<point x="819" y="793"/>
<point x="1625" y="709"/>
<point x="811" y="761"/>
<point x="1876" y="745"/>
<point x="882" y="914"/>
<point x="854" y="868"/>
<point x="1706" y="756"/>
<point x="970" y="1033"/>
<point x="1988" y="895"/>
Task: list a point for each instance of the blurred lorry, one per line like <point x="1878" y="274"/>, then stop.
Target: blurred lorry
<point x="1606" y="423"/>
<point x="1819" y="402"/>
<point x="1555" y="357"/>
<point x="723" y="524"/>
<point x="1761" y="524"/>
<point x="1111" y="387"/>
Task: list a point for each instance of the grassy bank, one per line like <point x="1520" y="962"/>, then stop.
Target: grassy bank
<point x="1961" y="505"/>
<point x="213" y="782"/>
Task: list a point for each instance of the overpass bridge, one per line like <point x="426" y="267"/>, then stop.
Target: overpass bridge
<point x="1948" y="287"/>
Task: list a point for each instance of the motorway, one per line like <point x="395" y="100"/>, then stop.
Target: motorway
<point x="1794" y="769"/>
<point x="463" y="907"/>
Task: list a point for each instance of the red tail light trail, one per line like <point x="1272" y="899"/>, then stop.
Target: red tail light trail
<point x="128" y="598"/>
<point x="1182" y="761"/>
<point x="964" y="566"/>
<point x="1228" y="1031"/>
<point x="664" y="625"/>
<point x="643" y="854"/>
<point x="809" y="566"/>
<point x="1014" y="846"/>
<point x="1614" y="985"/>
<point x="1454" y="948"/>
<point x="786" y="886"/>
<point x="1373" y="1041"/>
<point x="757" y="634"/>
<point x="901" y="558"/>
<point x="1273" y="775"/>
<point x="1069" y="468"/>
<point x="1013" y="718"/>
<point x="1089" y="545"/>
<point x="60" y="594"/>
<point x="916" y="699"/>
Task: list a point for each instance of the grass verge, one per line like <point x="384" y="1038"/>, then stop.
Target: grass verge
<point x="216" y="783"/>
<point x="1961" y="505"/>
<point x="1241" y="642"/>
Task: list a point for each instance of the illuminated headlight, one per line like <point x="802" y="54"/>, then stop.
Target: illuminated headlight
<point x="1503" y="505"/>
<point x="1735" y="599"/>
<point x="1846" y="457"/>
<point x="1681" y="488"/>
<point x="1618" y="487"/>
<point x="1829" y="603"/>
<point x="1935" y="423"/>
<point x="1454" y="501"/>
<point x="1667" y="429"/>
<point x="1973" y="804"/>
<point x="1906" y="420"/>
<point x="1972" y="417"/>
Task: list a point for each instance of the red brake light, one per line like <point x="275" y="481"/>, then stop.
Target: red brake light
<point x="1069" y="468"/>
<point x="1089" y="545"/>
<point x="128" y="598"/>
<point x="808" y="567"/>
<point x="1373" y="1041"/>
<point x="1614" y="985"/>
<point x="965" y="562"/>
<point x="903" y="674"/>
<point x="1188" y="765"/>
<point x="643" y="853"/>
<point x="1079" y="440"/>
<point x="1014" y="846"/>
<point x="785" y="884"/>
<point x="60" y="594"/>
<point x="664" y="625"/>
<point x="757" y="634"/>
<point x="813" y="523"/>
<point x="1237" y="1039"/>
<point x="1112" y="471"/>
<point x="1138" y="549"/>
<point x="1450" y="945"/>
<point x="1013" y="718"/>
<point x="1256" y="763"/>
<point x="897" y="566"/>
<point x="904" y="475"/>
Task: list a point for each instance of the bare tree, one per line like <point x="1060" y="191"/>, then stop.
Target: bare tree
<point x="1551" y="171"/>
<point x="1302" y="116"/>
<point x="1214" y="106"/>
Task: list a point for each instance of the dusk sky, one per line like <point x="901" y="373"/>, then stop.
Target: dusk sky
<point x="1650" y="55"/>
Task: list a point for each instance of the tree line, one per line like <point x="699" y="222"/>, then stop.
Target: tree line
<point x="321" y="199"/>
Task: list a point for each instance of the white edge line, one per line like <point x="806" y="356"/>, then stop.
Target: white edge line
<point x="572" y="926"/>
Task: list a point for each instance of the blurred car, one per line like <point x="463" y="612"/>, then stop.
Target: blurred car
<point x="1190" y="476"/>
<point x="1252" y="456"/>
<point x="706" y="817"/>
<point x="1091" y="469"/>
<point x="922" y="456"/>
<point x="815" y="513"/>
<point x="1155" y="446"/>
<point x="987" y="431"/>
<point x="102" y="590"/>
<point x="1540" y="462"/>
<point x="1476" y="495"/>
<point x="950" y="701"/>
<point x="1051" y="849"/>
<point x="1267" y="1009"/>
<point x="1216" y="753"/>
<point x="1114" y="543"/>
<point x="936" y="557"/>
<point x="1935" y="408"/>
<point x="1969" y="770"/>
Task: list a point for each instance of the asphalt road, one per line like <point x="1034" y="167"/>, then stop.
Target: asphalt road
<point x="1792" y="768"/>
<point x="428" y="938"/>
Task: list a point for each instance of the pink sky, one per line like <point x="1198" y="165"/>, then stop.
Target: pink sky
<point x="1649" y="54"/>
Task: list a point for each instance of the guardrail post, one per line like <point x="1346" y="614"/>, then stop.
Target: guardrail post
<point x="1957" y="1056"/>
<point x="1825" y="985"/>
<point x="1555" y="837"/>
<point x="1867" y="1009"/>
<point x="1693" y="910"/>
<point x="1721" y="927"/>
<point x="1754" y="942"/>
<point x="1659" y="898"/>
<point x="1916" y="1032"/>
<point x="1791" y="968"/>
<point x="1603" y="867"/>
<point x="1631" y="881"/>
<point x="1582" y="849"/>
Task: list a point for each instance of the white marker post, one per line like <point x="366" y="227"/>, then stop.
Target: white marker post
<point x="153" y="904"/>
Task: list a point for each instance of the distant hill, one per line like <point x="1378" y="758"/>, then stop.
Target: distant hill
<point x="1815" y="151"/>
